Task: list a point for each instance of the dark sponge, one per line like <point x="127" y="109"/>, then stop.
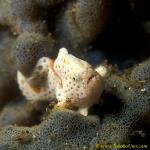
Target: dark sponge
<point x="62" y="130"/>
<point x="28" y="49"/>
<point x="83" y="21"/>
<point x="141" y="71"/>
<point x="31" y="8"/>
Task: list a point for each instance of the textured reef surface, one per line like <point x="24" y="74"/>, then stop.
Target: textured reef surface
<point x="108" y="43"/>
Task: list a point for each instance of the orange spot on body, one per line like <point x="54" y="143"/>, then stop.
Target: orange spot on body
<point x="52" y="66"/>
<point x="65" y="61"/>
<point x="36" y="89"/>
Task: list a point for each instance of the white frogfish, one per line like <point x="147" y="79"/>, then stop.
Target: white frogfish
<point x="67" y="79"/>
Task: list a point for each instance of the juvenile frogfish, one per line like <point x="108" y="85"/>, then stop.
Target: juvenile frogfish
<point x="67" y="79"/>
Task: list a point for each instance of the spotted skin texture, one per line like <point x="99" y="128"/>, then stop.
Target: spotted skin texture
<point x="70" y="80"/>
<point x="81" y="85"/>
<point x="31" y="88"/>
